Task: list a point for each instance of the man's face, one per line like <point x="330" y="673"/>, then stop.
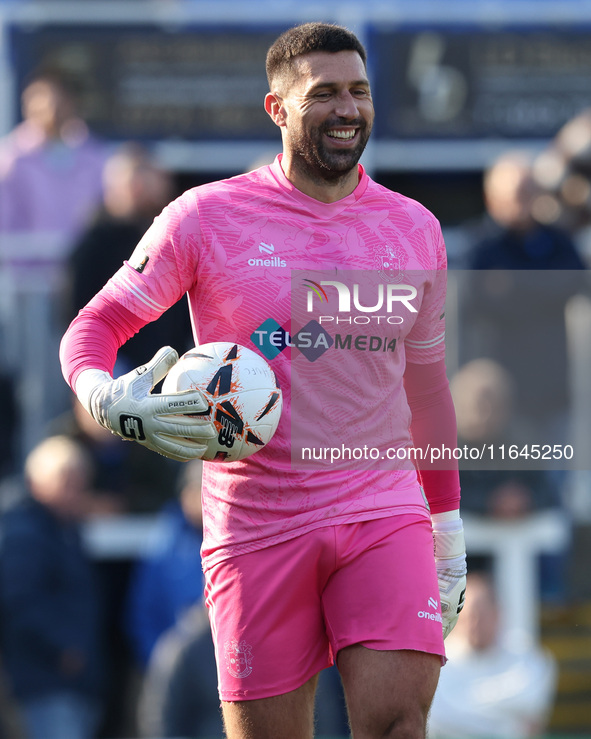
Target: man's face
<point x="47" y="105"/>
<point x="328" y="113"/>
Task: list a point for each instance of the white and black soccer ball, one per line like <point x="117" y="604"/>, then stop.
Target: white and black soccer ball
<point x="241" y="388"/>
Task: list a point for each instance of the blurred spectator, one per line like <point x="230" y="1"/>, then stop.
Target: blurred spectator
<point x="513" y="236"/>
<point x="169" y="578"/>
<point x="179" y="696"/>
<point x="50" y="168"/>
<point x="50" y="183"/>
<point x="483" y="395"/>
<point x="484" y="398"/>
<point x="135" y="191"/>
<point x="51" y="614"/>
<point x="488" y="689"/>
<point x="127" y="477"/>
<point x="563" y="170"/>
<point x="513" y="310"/>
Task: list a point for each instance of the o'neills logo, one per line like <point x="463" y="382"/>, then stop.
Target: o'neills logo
<point x="269" y="262"/>
<point x="430" y="616"/>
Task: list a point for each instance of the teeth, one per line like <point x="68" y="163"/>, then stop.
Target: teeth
<point x="341" y="134"/>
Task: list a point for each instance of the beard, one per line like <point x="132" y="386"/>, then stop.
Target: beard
<point x="317" y="159"/>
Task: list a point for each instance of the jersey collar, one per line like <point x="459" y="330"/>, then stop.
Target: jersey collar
<point x="317" y="206"/>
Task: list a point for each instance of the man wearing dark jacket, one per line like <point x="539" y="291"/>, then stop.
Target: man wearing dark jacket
<point x="51" y="643"/>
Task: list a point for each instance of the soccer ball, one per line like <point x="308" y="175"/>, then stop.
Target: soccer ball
<point x="242" y="392"/>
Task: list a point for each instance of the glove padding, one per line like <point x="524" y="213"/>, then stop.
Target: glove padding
<point x="176" y="426"/>
<point x="450" y="562"/>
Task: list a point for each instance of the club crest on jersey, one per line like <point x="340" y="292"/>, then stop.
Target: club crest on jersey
<point x="389" y="262"/>
<point x="238" y="658"/>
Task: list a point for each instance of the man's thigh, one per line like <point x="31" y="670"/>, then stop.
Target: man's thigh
<point x="289" y="716"/>
<point x="266" y="615"/>
<point x="385" y="594"/>
<point x="388" y="692"/>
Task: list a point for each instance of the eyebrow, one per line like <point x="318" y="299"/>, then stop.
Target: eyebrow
<point x="320" y="85"/>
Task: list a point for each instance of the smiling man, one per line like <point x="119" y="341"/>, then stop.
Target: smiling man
<point x="322" y="103"/>
<point x="303" y="567"/>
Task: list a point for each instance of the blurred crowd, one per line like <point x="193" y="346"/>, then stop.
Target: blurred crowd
<point x="100" y="648"/>
<point x="91" y="647"/>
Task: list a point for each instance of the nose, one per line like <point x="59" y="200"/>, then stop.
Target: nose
<point x="346" y="105"/>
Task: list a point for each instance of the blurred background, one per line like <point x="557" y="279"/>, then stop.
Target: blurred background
<point x="109" y="109"/>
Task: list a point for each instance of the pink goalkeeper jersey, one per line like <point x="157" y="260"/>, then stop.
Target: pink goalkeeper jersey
<point x="270" y="268"/>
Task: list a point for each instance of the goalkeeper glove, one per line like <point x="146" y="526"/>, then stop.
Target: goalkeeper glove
<point x="450" y="562"/>
<point x="177" y="426"/>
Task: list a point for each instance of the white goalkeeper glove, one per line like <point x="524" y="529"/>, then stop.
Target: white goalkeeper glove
<point x="450" y="562"/>
<point x="176" y="426"/>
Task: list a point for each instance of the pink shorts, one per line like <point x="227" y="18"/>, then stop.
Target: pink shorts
<point x="279" y="615"/>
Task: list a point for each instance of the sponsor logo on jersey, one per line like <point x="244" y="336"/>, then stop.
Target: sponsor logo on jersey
<point x="313" y="340"/>
<point x="268" y="258"/>
<point x="270" y="338"/>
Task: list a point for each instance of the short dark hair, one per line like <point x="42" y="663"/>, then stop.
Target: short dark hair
<point x="305" y="39"/>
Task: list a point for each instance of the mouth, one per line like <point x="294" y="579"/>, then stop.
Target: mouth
<point x="344" y="135"/>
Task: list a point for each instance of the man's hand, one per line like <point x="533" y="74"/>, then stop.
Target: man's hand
<point x="177" y="426"/>
<point x="450" y="561"/>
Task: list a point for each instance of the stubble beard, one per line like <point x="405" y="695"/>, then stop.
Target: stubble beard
<point x="314" y="159"/>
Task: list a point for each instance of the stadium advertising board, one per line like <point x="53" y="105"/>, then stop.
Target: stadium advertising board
<point x="147" y="82"/>
<point x="479" y="82"/>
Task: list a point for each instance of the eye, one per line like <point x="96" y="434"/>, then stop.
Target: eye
<point x="322" y="95"/>
<point x="360" y="93"/>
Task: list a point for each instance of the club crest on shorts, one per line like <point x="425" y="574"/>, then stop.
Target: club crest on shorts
<point x="238" y="658"/>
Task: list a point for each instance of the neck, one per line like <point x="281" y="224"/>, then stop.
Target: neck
<point x="315" y="186"/>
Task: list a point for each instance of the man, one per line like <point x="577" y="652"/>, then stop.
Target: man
<point x="302" y="566"/>
<point x="50" y="169"/>
<point x="50" y="183"/>
<point x="492" y="687"/>
<point x="167" y="580"/>
<point x="52" y="645"/>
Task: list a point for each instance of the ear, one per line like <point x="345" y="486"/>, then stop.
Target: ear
<point x="274" y="107"/>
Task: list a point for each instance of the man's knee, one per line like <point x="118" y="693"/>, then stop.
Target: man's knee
<point x="391" y="722"/>
<point x="388" y="693"/>
<point x="411" y="725"/>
